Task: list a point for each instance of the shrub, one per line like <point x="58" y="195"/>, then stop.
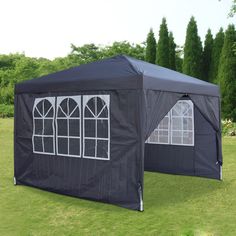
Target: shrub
<point x="6" y="110"/>
<point x="228" y="127"/>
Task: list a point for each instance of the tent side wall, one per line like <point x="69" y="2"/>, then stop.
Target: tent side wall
<point x="204" y="158"/>
<point x="197" y="160"/>
<point x="117" y="181"/>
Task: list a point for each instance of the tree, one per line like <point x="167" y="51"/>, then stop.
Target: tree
<point x="215" y="58"/>
<point x="150" y="55"/>
<point x="162" y="58"/>
<point x="192" y="50"/>
<point x="227" y="74"/>
<point x="172" y="56"/>
<point x="206" y="56"/>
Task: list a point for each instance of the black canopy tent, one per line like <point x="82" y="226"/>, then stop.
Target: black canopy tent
<point x="92" y="130"/>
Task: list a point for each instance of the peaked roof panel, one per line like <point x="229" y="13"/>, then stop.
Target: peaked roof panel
<point x="119" y="72"/>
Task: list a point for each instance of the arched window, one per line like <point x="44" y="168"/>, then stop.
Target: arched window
<point x="177" y="127"/>
<point x="43" y="125"/>
<point x="96" y="127"/>
<point x="68" y="122"/>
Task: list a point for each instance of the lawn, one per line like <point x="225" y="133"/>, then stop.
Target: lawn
<point x="174" y="205"/>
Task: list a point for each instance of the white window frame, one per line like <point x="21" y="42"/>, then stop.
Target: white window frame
<point x="77" y="99"/>
<point x="36" y="102"/>
<point x="106" y="99"/>
<point x="170" y="130"/>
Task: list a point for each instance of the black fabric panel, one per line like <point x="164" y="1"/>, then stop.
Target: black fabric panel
<point x="210" y="109"/>
<point x="170" y="159"/>
<point x="206" y="164"/>
<point x="116" y="181"/>
<point x="157" y="105"/>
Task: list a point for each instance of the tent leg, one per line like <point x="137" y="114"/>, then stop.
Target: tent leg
<point x="14" y="180"/>
<point x="141" y="198"/>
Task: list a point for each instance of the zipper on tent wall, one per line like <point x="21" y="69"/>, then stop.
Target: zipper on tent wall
<point x="140" y="197"/>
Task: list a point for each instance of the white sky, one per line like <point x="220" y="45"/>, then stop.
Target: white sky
<point x="46" y="28"/>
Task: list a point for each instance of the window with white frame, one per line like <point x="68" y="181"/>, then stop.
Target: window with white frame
<point x="68" y="123"/>
<point x="43" y="125"/>
<point x="66" y="139"/>
<point x="96" y="127"/>
<point x="177" y="127"/>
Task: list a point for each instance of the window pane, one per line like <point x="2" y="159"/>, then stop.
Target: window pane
<point x="74" y="126"/>
<point x="62" y="127"/>
<point x="164" y="123"/>
<point x="36" y="113"/>
<point x="89" y="147"/>
<point x="48" y="144"/>
<point x="176" y="123"/>
<point x="89" y="128"/>
<point x="102" y="128"/>
<point x="104" y="113"/>
<point x="64" y="106"/>
<point x="187" y="124"/>
<point x="72" y="106"/>
<point x="100" y="105"/>
<point x="38" y="124"/>
<point x="177" y="137"/>
<point x="91" y="105"/>
<point x="75" y="113"/>
<point x="62" y="145"/>
<point x="48" y="126"/>
<point x="74" y="146"/>
<point x="102" y="148"/>
<point x="38" y="146"/>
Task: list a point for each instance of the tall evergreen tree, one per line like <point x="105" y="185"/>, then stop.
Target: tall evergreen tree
<point x="215" y="58"/>
<point x="150" y="55"/>
<point x="227" y="74"/>
<point x="162" y="58"/>
<point x="172" y="46"/>
<point x="192" y="50"/>
<point x="206" y="56"/>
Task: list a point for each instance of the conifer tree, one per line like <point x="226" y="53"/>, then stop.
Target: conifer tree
<point x="206" y="56"/>
<point x="150" y="55"/>
<point x="192" y="51"/>
<point x="162" y="58"/>
<point x="227" y="74"/>
<point x="215" y="58"/>
<point x="172" y="56"/>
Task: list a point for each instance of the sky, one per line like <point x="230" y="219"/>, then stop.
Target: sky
<point x="46" y="28"/>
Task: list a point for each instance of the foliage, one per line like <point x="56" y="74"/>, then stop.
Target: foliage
<point x="216" y="52"/>
<point x="174" y="205"/>
<point x="162" y="58"/>
<point x="228" y="127"/>
<point x="151" y="48"/>
<point x="172" y="53"/>
<point x="227" y="74"/>
<point x="206" y="56"/>
<point x="6" y="111"/>
<point x="192" y="51"/>
<point x="233" y="9"/>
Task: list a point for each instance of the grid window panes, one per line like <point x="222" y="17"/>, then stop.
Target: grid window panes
<point x="43" y="125"/>
<point x="177" y="127"/>
<point x="96" y="127"/>
<point x="68" y="123"/>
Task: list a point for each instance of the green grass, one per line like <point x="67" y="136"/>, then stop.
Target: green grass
<point x="174" y="205"/>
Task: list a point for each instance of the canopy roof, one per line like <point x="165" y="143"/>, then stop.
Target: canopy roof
<point x="119" y="72"/>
